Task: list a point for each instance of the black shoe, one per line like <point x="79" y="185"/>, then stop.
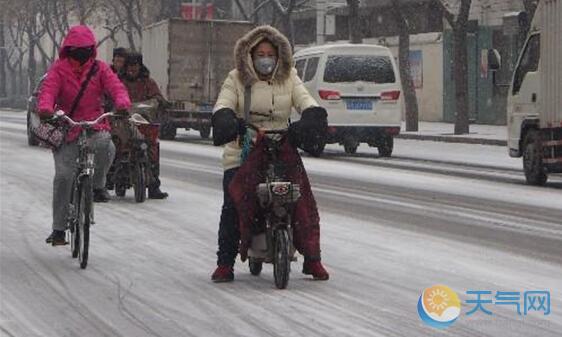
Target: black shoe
<point x="101" y="195"/>
<point x="57" y="238"/>
<point x="155" y="193"/>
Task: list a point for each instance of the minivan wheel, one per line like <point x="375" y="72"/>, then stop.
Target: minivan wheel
<point x="317" y="149"/>
<point x="385" y="147"/>
<point x="350" y="145"/>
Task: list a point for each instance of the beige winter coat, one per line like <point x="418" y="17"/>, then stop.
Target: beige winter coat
<point x="271" y="101"/>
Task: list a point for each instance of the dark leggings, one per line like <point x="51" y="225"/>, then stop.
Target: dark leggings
<point x="229" y="236"/>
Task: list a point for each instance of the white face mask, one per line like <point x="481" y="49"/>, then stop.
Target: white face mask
<point x="265" y="65"/>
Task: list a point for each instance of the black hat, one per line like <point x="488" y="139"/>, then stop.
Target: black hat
<point x="133" y="58"/>
<point x="120" y="51"/>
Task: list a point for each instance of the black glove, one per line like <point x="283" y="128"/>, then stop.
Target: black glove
<point x="47" y="118"/>
<point x="226" y="126"/>
<point x="121" y="113"/>
<point x="310" y="130"/>
<point x="314" y="118"/>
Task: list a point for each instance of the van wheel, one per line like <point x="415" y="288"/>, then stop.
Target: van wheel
<point x="350" y="145"/>
<point x="386" y="146"/>
<point x="317" y="148"/>
<point x="532" y="159"/>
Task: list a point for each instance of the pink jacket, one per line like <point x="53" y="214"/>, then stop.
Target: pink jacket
<point x="63" y="83"/>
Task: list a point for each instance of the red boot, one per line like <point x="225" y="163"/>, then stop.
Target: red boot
<point x="223" y="274"/>
<point x="316" y="269"/>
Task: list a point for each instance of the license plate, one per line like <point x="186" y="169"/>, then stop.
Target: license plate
<point x="359" y="105"/>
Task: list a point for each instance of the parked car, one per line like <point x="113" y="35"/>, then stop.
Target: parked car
<point x="359" y="85"/>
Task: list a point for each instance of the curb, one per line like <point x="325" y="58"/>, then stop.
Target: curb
<point x="448" y="139"/>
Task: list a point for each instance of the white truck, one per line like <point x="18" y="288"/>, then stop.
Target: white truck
<point x="534" y="107"/>
<point x="189" y="59"/>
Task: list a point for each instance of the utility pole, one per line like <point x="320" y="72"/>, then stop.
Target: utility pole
<point x="320" y="21"/>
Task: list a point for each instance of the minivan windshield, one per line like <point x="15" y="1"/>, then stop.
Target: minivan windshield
<point x="352" y="68"/>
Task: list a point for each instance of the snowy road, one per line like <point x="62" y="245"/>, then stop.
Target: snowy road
<point x="390" y="228"/>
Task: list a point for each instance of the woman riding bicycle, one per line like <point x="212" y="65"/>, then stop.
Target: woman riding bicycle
<point x="65" y="78"/>
<point x="264" y="73"/>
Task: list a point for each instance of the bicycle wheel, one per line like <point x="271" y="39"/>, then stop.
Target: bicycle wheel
<point x="281" y="260"/>
<point x="84" y="218"/>
<point x="73" y="222"/>
<point x="140" y="182"/>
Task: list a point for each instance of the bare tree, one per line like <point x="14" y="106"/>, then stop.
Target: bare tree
<point x="3" y="92"/>
<point x="169" y="9"/>
<point x="410" y="99"/>
<point x="354" y="22"/>
<point x="15" y="52"/>
<point x="459" y="24"/>
<point x="258" y="6"/>
<point x="127" y="16"/>
<point x="530" y="9"/>
<point x="286" y="21"/>
<point x="26" y="13"/>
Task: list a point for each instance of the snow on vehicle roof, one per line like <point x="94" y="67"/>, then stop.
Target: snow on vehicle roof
<point x="344" y="48"/>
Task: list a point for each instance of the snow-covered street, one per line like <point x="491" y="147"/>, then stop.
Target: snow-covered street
<point x="434" y="213"/>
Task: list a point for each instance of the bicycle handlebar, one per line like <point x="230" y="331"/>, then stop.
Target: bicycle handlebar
<point x="61" y="114"/>
<point x="270" y="131"/>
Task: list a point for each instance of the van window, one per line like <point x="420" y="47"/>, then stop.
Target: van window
<point x="352" y="68"/>
<point x="299" y="65"/>
<point x="529" y="62"/>
<point x="311" y="68"/>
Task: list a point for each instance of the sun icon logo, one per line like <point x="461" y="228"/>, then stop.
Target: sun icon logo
<point x="439" y="306"/>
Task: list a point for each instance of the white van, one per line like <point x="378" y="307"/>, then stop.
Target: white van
<point x="359" y="85"/>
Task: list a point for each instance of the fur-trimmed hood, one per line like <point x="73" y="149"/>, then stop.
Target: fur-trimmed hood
<point x="243" y="57"/>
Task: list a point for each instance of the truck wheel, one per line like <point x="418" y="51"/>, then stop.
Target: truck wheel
<point x="167" y="132"/>
<point x="205" y="132"/>
<point x="532" y="159"/>
<point x="386" y="146"/>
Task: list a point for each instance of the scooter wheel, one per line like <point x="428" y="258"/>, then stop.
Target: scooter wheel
<point x="255" y="266"/>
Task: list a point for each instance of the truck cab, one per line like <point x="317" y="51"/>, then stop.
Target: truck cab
<point x="534" y="102"/>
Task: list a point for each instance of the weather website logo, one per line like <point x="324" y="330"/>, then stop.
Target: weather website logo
<point x="439" y="306"/>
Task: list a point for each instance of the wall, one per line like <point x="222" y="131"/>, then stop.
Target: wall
<point x="491" y="12"/>
<point x="430" y="96"/>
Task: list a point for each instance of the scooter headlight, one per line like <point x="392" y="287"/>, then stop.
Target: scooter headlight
<point x="280" y="189"/>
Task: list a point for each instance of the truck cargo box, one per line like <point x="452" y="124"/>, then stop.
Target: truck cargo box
<point x="550" y="13"/>
<point x="190" y="59"/>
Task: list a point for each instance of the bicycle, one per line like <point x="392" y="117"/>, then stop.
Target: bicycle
<point x="81" y="207"/>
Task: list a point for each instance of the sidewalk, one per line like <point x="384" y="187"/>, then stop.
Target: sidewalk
<point x="444" y="132"/>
